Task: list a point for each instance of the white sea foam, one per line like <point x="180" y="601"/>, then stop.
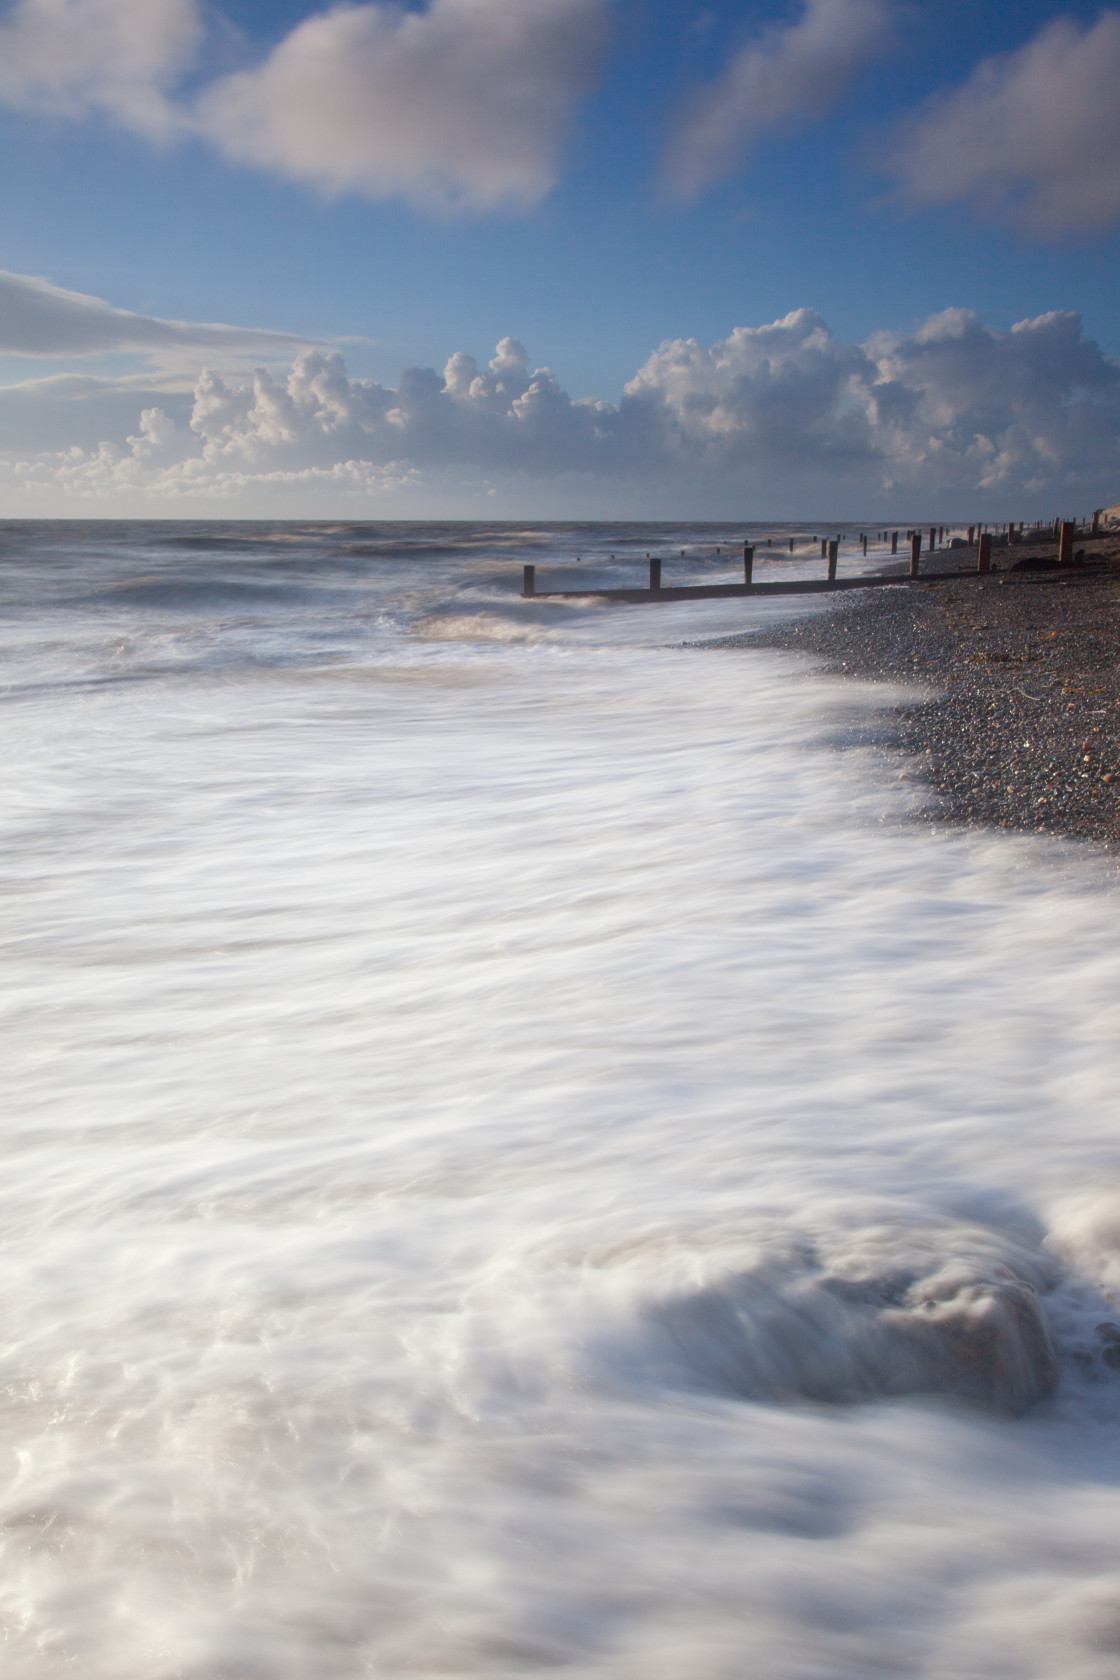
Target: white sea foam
<point x="521" y="1153"/>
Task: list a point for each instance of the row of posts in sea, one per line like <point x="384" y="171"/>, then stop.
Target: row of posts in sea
<point x="981" y="536"/>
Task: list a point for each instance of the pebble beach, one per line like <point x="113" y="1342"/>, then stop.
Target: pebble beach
<point x="1016" y="723"/>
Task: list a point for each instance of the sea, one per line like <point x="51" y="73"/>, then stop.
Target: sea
<point x="530" y="1145"/>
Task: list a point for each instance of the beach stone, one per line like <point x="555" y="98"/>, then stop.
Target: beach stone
<point x="833" y="1339"/>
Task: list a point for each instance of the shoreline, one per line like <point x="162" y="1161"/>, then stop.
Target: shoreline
<point x="1022" y="731"/>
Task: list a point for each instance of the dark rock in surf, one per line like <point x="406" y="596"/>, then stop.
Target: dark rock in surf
<point x="834" y="1339"/>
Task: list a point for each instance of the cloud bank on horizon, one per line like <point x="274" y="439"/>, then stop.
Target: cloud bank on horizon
<point x="466" y="104"/>
<point x="952" y="411"/>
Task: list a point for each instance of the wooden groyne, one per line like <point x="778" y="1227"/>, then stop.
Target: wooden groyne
<point x="656" y="590"/>
<point x="979" y="550"/>
<point x="721" y="591"/>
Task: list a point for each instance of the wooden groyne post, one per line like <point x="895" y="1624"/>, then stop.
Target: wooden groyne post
<point x="833" y="552"/>
<point x="984" y="552"/>
<point x="915" y="553"/>
<point x="530" y="581"/>
<point x="1065" y="543"/>
<point x="654" y="573"/>
<point x="748" y="561"/>
<point x="894" y="542"/>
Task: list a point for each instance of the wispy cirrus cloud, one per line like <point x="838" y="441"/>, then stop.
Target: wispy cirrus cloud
<point x="786" y="79"/>
<point x="1032" y="137"/>
<point x="38" y="318"/>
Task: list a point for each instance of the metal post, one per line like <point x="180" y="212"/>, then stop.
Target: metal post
<point x="530" y="587"/>
<point x="655" y="574"/>
<point x="915" y="553"/>
<point x="748" y="563"/>
<point x="984" y="553"/>
<point x="1065" y="545"/>
<point x="833" y="551"/>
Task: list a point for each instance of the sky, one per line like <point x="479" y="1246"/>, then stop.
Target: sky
<point x="559" y="259"/>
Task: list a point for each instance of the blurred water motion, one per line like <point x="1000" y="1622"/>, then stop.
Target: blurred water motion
<point x="519" y="1153"/>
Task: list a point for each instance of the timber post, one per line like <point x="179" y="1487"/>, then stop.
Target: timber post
<point x="833" y="551"/>
<point x="748" y="563"/>
<point x="530" y="585"/>
<point x="984" y="553"/>
<point x="915" y="553"/>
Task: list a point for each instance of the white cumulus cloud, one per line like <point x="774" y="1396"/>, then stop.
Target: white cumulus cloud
<point x="1033" y="135"/>
<point x="788" y="78"/>
<point x="74" y="57"/>
<point x="463" y="104"/>
<point x="38" y="318"/>
<point x="459" y="104"/>
<point x="786" y="414"/>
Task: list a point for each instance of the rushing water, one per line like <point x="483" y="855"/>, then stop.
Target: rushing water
<point x="519" y="1152"/>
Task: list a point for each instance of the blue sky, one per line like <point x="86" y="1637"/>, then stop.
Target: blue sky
<point x="590" y="179"/>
